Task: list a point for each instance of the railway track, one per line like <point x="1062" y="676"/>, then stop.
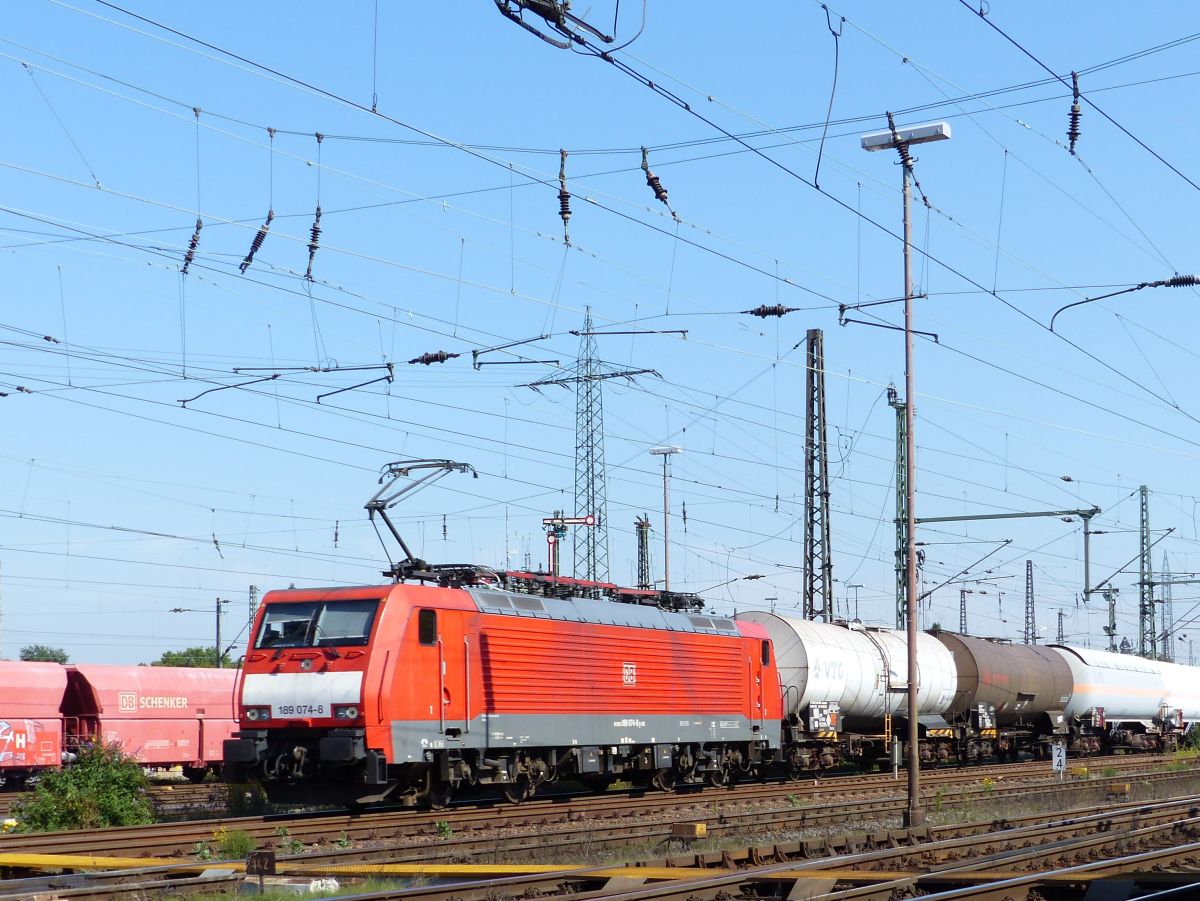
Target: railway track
<point x="990" y="859"/>
<point x="569" y="823"/>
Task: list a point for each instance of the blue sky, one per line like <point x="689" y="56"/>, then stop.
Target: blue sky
<point x="441" y="232"/>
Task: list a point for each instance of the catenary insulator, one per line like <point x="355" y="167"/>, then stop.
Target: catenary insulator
<point x="257" y="243"/>
<point x="906" y="159"/>
<point x="764" y="311"/>
<point x="192" y="244"/>
<point x="564" y="196"/>
<point x="313" y="242"/>
<point x="1076" y="114"/>
<point x="1183" y="281"/>
<point x="439" y="356"/>
<point x="660" y="193"/>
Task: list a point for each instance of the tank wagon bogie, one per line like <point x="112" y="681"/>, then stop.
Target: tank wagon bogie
<point x="421" y="690"/>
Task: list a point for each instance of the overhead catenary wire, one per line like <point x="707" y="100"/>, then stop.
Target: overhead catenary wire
<point x="777" y="283"/>
<point x="1154" y="153"/>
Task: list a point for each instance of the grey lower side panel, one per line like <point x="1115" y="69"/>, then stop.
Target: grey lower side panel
<point x="502" y="732"/>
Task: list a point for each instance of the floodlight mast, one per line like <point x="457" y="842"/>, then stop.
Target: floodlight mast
<point x="389" y="495"/>
<point x="900" y="139"/>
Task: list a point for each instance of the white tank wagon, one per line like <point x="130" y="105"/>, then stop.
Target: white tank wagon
<point x="1125" y="702"/>
<point x="840" y="681"/>
<point x="1181" y="687"/>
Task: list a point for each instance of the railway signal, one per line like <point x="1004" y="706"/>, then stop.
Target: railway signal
<point x="556" y="531"/>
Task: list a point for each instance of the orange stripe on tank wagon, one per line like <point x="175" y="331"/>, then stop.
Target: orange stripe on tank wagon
<point x="1121" y="690"/>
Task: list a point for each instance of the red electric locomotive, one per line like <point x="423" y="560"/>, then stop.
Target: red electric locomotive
<point x="411" y="691"/>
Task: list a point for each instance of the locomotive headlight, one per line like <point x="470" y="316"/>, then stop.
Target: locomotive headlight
<point x="258" y="713"/>
<point x="345" y="712"/>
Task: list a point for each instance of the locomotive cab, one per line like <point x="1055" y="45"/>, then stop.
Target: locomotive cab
<point x="301" y="696"/>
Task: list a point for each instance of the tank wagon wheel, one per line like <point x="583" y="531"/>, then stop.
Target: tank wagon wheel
<point x="520" y="789"/>
<point x="195" y="774"/>
<point x="664" y="780"/>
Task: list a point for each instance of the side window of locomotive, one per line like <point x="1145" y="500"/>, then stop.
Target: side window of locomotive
<point x="427" y="626"/>
<point x="766" y="652"/>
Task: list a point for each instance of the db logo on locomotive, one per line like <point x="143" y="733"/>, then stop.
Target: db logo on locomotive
<point x="629" y="673"/>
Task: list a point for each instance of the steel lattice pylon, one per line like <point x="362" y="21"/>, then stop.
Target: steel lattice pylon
<point x="1030" y="613"/>
<point x="1147" y="633"/>
<point x="818" y="563"/>
<point x="901" y="508"/>
<point x="591" y="495"/>
<point x="1168" y="611"/>
<point x="642" y="525"/>
<point x="591" y="498"/>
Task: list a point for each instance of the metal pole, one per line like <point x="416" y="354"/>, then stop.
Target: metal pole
<point x="914" y="815"/>
<point x="1087" y="573"/>
<point x="666" y="526"/>
<point x="219" y="633"/>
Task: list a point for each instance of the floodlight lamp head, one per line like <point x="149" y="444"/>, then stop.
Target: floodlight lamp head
<point x="911" y="134"/>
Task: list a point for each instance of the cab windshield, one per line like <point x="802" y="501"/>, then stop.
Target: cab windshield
<point x="317" y="624"/>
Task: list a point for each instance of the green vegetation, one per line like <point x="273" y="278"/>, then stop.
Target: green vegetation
<point x="43" y="652"/>
<point x="1183" y="760"/>
<point x="343" y="841"/>
<point x="287" y="844"/>
<point x="1109" y="772"/>
<point x="104" y="787"/>
<point x="234" y="844"/>
<point x="199" y="657"/>
<point x="444" y="829"/>
<point x="248" y="800"/>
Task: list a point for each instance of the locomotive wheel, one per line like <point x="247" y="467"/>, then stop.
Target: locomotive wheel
<point x="439" y="795"/>
<point x="520" y="789"/>
<point x="664" y="780"/>
<point x="435" y="794"/>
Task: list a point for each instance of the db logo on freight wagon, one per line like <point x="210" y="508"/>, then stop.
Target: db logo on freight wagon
<point x="629" y="673"/>
<point x="131" y="702"/>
